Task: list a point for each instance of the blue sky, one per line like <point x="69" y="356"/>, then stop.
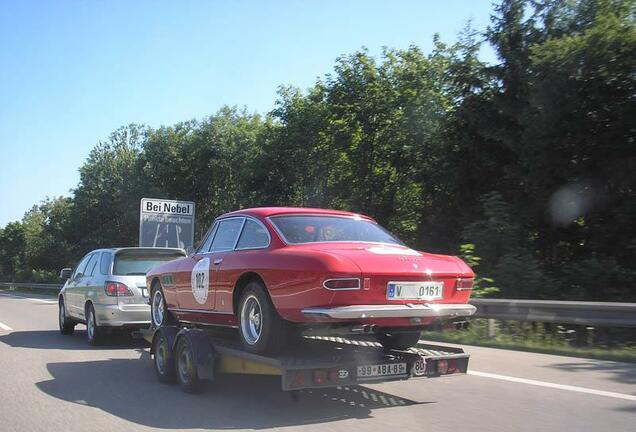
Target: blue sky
<point x="71" y="72"/>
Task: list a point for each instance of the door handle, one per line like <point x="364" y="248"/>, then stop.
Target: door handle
<point x="217" y="261"/>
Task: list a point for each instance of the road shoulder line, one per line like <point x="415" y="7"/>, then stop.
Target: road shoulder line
<point x="554" y="385"/>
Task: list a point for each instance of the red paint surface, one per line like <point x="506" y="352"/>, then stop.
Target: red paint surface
<point x="293" y="275"/>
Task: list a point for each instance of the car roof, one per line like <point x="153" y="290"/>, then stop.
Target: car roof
<point x="263" y="212"/>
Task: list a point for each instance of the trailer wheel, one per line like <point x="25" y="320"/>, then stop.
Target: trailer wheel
<point x="399" y="340"/>
<point x="187" y="374"/>
<point x="262" y="330"/>
<point x="164" y="360"/>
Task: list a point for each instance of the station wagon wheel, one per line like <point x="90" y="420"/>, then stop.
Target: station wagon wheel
<point x="93" y="331"/>
<point x="186" y="368"/>
<point x="67" y="326"/>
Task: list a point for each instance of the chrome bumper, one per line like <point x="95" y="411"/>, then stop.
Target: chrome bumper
<point x="434" y="310"/>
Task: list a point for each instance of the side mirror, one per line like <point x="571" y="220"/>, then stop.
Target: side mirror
<point x="66" y="273"/>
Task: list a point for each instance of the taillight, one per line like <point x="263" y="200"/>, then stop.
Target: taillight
<point x="117" y="289"/>
<point x="464" y="284"/>
<point x="342" y="284"/>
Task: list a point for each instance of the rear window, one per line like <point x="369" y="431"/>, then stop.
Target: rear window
<point x="134" y="263"/>
<point x="312" y="229"/>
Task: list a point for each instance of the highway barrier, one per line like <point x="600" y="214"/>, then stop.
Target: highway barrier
<point x="597" y="314"/>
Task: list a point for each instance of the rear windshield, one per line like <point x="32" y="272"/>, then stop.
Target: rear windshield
<point x="131" y="264"/>
<point x="311" y="229"/>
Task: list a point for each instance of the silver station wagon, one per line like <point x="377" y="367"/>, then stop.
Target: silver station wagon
<point x="107" y="290"/>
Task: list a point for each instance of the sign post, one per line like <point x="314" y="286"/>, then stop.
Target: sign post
<point x="166" y="223"/>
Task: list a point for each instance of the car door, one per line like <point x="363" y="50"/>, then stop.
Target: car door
<point x="86" y="284"/>
<point x="70" y="292"/>
<point x="247" y="255"/>
<point x="183" y="280"/>
<point x="204" y="264"/>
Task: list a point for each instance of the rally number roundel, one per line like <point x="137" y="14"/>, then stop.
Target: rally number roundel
<point x="200" y="280"/>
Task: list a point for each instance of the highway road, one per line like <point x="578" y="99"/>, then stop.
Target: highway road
<point x="54" y="382"/>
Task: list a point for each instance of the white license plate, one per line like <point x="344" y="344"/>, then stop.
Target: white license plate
<point x="414" y="290"/>
<point x="379" y="370"/>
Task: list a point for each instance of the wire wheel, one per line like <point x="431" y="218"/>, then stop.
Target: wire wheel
<point x="158" y="308"/>
<point x="251" y="319"/>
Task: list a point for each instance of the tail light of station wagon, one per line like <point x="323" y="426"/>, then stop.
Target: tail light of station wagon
<point x="117" y="289"/>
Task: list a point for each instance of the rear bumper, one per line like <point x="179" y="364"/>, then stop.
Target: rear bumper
<point x="123" y="315"/>
<point x="433" y="310"/>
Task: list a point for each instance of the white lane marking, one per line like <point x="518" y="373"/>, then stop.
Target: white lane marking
<point x="553" y="385"/>
<point x="3" y="294"/>
<point x="3" y="326"/>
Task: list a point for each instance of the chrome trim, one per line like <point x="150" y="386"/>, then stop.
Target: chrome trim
<point x="209" y="233"/>
<point x="426" y="310"/>
<point x="216" y="231"/>
<point x="239" y="233"/>
<point x="258" y="222"/>
<point x="201" y="311"/>
<point x="341" y="289"/>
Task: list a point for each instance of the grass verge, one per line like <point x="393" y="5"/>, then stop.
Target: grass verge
<point x="623" y="353"/>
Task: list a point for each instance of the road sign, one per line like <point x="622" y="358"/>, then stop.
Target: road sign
<point x="166" y="223"/>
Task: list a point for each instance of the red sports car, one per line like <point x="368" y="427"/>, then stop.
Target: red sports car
<point x="274" y="271"/>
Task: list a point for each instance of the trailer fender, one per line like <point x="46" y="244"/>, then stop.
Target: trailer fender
<point x="203" y="350"/>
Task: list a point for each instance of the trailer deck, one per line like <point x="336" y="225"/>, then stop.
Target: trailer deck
<point x="314" y="362"/>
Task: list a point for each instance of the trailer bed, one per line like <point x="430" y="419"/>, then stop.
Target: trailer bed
<point x="322" y="361"/>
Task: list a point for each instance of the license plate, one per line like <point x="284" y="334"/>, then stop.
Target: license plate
<point x="414" y="290"/>
<point x="379" y="370"/>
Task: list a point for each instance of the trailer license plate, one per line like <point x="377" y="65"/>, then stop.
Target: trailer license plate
<point x="380" y="370"/>
<point x="414" y="290"/>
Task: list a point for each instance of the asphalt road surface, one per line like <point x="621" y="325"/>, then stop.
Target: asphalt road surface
<point x="54" y="382"/>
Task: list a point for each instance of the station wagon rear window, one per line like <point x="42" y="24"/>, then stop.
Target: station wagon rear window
<point x="136" y="263"/>
<point x="298" y="229"/>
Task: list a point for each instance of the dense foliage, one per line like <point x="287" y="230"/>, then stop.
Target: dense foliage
<point x="527" y="168"/>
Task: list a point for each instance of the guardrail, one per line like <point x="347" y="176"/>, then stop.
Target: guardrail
<point x="598" y="314"/>
<point x="28" y="285"/>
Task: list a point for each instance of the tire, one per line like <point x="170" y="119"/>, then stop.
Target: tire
<point x="159" y="313"/>
<point x="399" y="340"/>
<point x="67" y="326"/>
<point x="163" y="360"/>
<point x="261" y="329"/>
<point x="94" y="333"/>
<point x="186" y="367"/>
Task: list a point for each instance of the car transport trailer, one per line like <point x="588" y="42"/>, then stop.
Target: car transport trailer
<point x="189" y="355"/>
